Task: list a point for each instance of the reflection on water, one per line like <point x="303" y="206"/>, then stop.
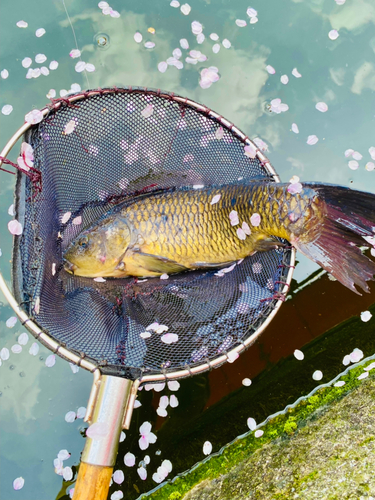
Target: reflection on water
<point x="288" y="35"/>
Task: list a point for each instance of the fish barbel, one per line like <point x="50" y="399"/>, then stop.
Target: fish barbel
<point x="212" y="227"/>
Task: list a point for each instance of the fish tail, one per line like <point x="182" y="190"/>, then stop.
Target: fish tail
<point x="348" y="223"/>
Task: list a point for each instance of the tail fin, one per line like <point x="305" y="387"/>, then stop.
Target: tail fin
<point x="349" y="223"/>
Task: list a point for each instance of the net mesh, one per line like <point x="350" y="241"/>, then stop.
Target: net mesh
<point x="117" y="151"/>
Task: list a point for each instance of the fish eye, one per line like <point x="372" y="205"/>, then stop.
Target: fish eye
<point x="83" y="242"/>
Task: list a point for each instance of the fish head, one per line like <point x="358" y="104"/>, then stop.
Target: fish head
<point x="98" y="250"/>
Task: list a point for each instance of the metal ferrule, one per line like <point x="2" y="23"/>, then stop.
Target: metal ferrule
<point x="109" y="410"/>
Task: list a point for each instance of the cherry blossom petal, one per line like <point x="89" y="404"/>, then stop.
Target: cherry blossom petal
<point x="164" y="276"/>
<point x="216" y="48"/>
<point x="241" y="23"/>
<point x="356" y="355"/>
<point x="149" y="45"/>
<point x="295" y="128"/>
<point x="145" y="428"/>
<point x="7" y="109"/>
<point x="98" y="430"/>
<point x="80" y="66"/>
<point x="35" y="116"/>
<point x="75" y="53"/>
<point x="232" y="356"/>
<point x="70" y="417"/>
<point x="66" y="217"/>
<point x="215" y="199"/>
<point x="298" y="355"/>
<point x="40" y="58"/>
<point x="284" y="79"/>
<point x="50" y="361"/>
<point x="353" y="165"/>
<point x="258" y="433"/>
<point x="241" y="234"/>
<point x="246" y="382"/>
<point x="296" y="73"/>
<point x="196" y="27"/>
<point x="129" y="459"/>
<point x="117" y="495"/>
<point x="23" y="338"/>
<point x="4" y="354"/>
<point x="250" y="151"/>
<point x="142" y="473"/>
<point x="145" y="335"/>
<point x="100" y="280"/>
<point x="270" y="69"/>
<point x="40" y="32"/>
<point x="333" y="35"/>
<point x="175" y="4"/>
<point x="372" y="152"/>
<point x="173" y="401"/>
<point x="251" y="12"/>
<point x="356" y="155"/>
<point x="184" y="43"/>
<point x="366" y="316"/>
<point x="34" y="349"/>
<point x="118" y="476"/>
<point x="322" y="107"/>
<point x="370" y="166"/>
<point x="317" y="375"/>
<point x="164" y="402"/>
<point x="81" y="412"/>
<point x="312" y="139"/>
<point x="26" y="62"/>
<point x="295" y="188"/>
<point x="122" y="436"/>
<point x="67" y="473"/>
<point x="214" y="37"/>
<point x="251" y="424"/>
<point x="22" y="24"/>
<point x="147" y="112"/>
<point x="226" y="43"/>
<point x="185" y="9"/>
<point x="255" y="220"/>
<point x="16" y="349"/>
<point x="233" y="217"/>
<point x="173" y="385"/>
<point x="63" y="455"/>
<point x="162" y="412"/>
<point x="70" y="127"/>
<point x="219" y="134"/>
<point x="77" y="220"/>
<point x="207" y="448"/>
<point x="162" y="67"/>
<point x="18" y="483"/>
<point x="10" y="322"/>
<point x="169" y="338"/>
<point x="90" y="67"/>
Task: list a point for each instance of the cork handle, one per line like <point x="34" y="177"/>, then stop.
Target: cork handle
<point x="92" y="482"/>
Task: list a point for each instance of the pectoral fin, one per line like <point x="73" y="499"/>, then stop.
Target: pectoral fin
<point x="143" y="264"/>
<point x="266" y="243"/>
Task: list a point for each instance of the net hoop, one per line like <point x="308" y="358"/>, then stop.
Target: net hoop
<point x="82" y="361"/>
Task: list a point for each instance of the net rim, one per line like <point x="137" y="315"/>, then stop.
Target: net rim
<point x="85" y="362"/>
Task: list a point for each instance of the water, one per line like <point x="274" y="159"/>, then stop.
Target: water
<point x="288" y="35"/>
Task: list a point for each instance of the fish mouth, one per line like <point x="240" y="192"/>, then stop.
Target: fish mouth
<point x="68" y="266"/>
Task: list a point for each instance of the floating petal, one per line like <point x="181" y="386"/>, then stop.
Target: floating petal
<point x="185" y="9"/>
<point x="66" y="217"/>
<point x="317" y="375"/>
<point x="22" y="24"/>
<point x="298" y="355"/>
<point x="26" y="62"/>
<point x="40" y="32"/>
<point x="129" y="459"/>
<point x="322" y="107"/>
<point x="296" y="73"/>
<point x="184" y="43"/>
<point x="118" y="476"/>
<point x="34" y="349"/>
<point x="250" y="151"/>
<point x="226" y="43"/>
<point x="295" y="188"/>
<point x="4" y="354"/>
<point x="333" y="34"/>
<point x="295" y="128"/>
<point x="270" y="69"/>
<point x="246" y="382"/>
<point x="241" y="23"/>
<point x="142" y="473"/>
<point x="7" y="109"/>
<point x="16" y="349"/>
<point x="312" y="139"/>
<point x="251" y="424"/>
<point x="284" y="79"/>
<point x="258" y="433"/>
<point x="23" y="338"/>
<point x="366" y="316"/>
<point x="50" y="361"/>
<point x="70" y="127"/>
<point x="18" y="483"/>
<point x="147" y="112"/>
<point x="70" y="417"/>
<point x="173" y="385"/>
<point x="207" y="448"/>
<point x="67" y="473"/>
<point x="75" y="53"/>
<point x="353" y="164"/>
<point x="10" y="322"/>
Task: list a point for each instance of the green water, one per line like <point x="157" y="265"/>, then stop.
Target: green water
<point x="289" y="34"/>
